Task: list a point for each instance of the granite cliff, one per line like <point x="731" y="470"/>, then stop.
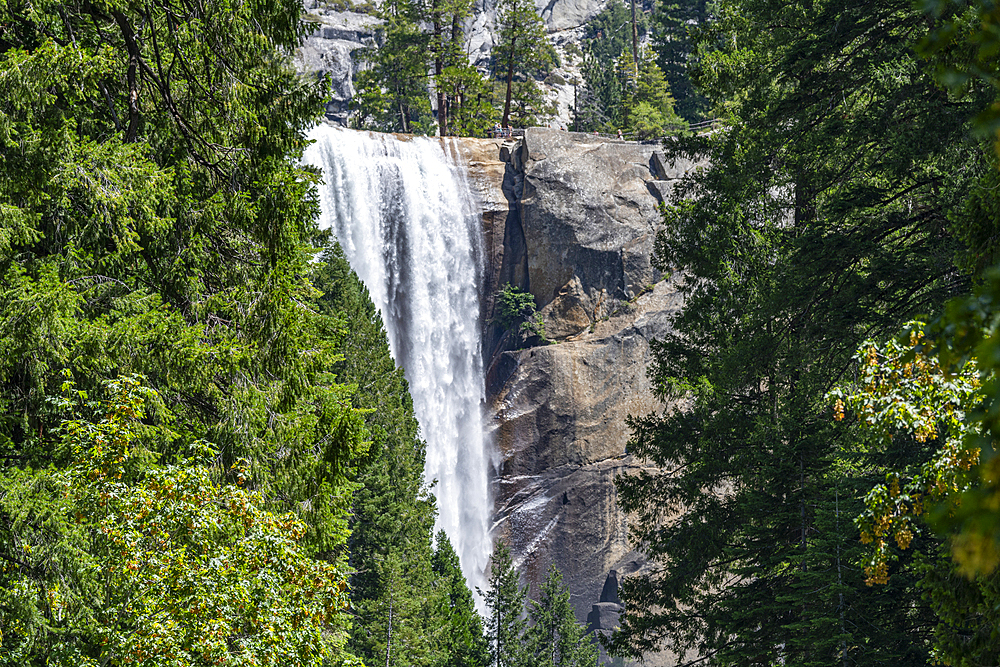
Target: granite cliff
<point x="572" y="218"/>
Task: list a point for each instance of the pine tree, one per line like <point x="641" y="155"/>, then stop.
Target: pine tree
<point x="674" y="40"/>
<point x="470" y="110"/>
<point x="157" y="223"/>
<point x="399" y="623"/>
<point x="606" y="42"/>
<point x="823" y="218"/>
<point x="422" y="43"/>
<point x="393" y="92"/>
<point x="645" y="106"/>
<point x="521" y="47"/>
<point x="456" y="82"/>
<point x="400" y="610"/>
<point x="462" y="638"/>
<point x="554" y="638"/>
<point x="505" y="602"/>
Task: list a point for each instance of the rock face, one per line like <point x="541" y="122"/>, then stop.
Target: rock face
<point x="572" y="218"/>
<point x="604" y="614"/>
<point x="329" y="52"/>
<point x="590" y="207"/>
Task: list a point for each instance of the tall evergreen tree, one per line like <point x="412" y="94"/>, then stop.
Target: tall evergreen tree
<point x="151" y="197"/>
<point x="456" y="82"/>
<point x="606" y="42"/>
<point x="156" y="221"/>
<point x="823" y="218"/>
<point x="463" y="640"/>
<point x="422" y="43"/>
<point x="400" y="623"/>
<point x="469" y="97"/>
<point x="505" y="602"/>
<point x="554" y="638"/>
<point x="521" y="47"/>
<point x="676" y="22"/>
<point x="393" y="93"/>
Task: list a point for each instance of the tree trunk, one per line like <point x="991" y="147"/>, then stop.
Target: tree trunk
<point x="840" y="583"/>
<point x="388" y="637"/>
<point x="635" y="47"/>
<point x="510" y="79"/>
<point x="133" y="63"/>
<point x="442" y="112"/>
<point x="456" y="32"/>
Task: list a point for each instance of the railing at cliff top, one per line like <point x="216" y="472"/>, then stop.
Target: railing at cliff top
<point x="701" y="127"/>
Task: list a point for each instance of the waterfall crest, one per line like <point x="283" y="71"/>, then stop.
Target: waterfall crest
<point x="409" y="225"/>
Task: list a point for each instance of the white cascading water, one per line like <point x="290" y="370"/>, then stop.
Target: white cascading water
<point x="410" y="227"/>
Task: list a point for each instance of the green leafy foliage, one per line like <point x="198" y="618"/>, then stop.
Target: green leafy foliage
<point x="156" y="222"/>
<point x="462" y="636"/>
<point x="900" y="389"/>
<point x="941" y="378"/>
<point x="159" y="225"/>
<point x="618" y="95"/>
<point x="521" y="50"/>
<point x="674" y="38"/>
<point x="120" y="561"/>
<point x="903" y="390"/>
<point x="393" y="93"/>
<point x="515" y="311"/>
<point x="964" y="46"/>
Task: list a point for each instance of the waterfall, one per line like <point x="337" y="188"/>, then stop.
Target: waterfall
<point x="409" y="225"/>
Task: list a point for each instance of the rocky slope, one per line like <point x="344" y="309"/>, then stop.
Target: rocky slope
<point x="572" y="218"/>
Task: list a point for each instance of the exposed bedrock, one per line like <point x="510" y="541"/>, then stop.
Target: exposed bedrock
<point x="572" y="218"/>
<point x="330" y="52"/>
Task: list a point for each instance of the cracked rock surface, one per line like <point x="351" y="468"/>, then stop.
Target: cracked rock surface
<point x="572" y="218"/>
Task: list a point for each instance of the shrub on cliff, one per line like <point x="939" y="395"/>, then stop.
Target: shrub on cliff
<point x="515" y="311"/>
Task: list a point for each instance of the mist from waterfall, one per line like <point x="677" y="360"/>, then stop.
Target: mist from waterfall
<point x="410" y="227"/>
